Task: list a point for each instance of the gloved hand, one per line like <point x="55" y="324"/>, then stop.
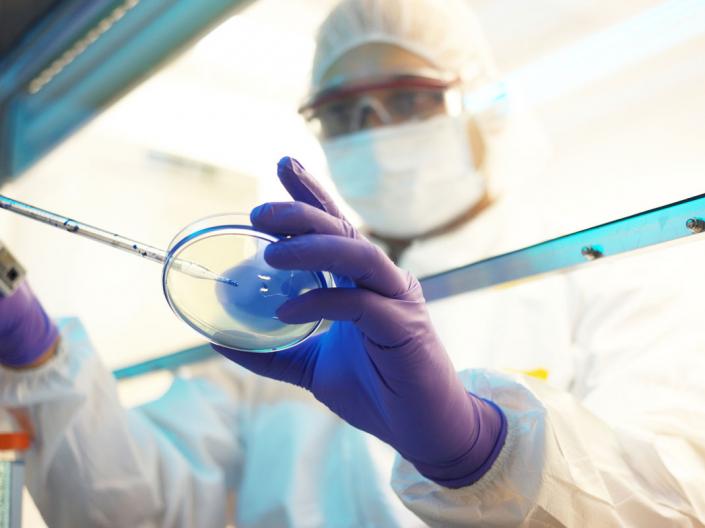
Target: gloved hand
<point x="26" y="332"/>
<point x="381" y="366"/>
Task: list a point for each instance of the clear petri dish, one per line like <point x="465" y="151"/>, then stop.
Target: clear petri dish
<point x="235" y="304"/>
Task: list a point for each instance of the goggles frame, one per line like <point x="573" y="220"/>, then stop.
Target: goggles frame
<point x="422" y="81"/>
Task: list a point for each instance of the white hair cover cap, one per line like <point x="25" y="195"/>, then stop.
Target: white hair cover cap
<point x="444" y="32"/>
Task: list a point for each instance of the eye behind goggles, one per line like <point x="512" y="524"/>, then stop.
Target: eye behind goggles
<point x="348" y="107"/>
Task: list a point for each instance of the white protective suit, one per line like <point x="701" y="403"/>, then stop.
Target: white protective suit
<point x="616" y="437"/>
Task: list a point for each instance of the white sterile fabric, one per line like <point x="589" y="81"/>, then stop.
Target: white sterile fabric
<point x="174" y="461"/>
<point x="563" y="465"/>
<point x="391" y="176"/>
<point x="450" y="39"/>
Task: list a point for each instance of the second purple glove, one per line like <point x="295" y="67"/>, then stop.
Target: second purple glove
<point x="26" y="332"/>
<point x="381" y="366"/>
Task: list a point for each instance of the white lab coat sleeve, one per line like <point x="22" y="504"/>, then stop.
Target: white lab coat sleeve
<point x="626" y="448"/>
<point x="561" y="465"/>
<point x="95" y="464"/>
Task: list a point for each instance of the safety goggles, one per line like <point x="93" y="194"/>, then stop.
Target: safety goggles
<point x="350" y="107"/>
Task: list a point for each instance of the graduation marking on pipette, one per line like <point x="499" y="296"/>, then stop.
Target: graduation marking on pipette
<point x="111" y="239"/>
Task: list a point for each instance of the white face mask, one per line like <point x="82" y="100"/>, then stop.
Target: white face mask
<point x="409" y="179"/>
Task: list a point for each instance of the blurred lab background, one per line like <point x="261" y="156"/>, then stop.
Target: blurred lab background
<point x="616" y="86"/>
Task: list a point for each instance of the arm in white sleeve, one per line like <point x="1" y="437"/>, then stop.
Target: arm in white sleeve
<point x="627" y="448"/>
<point x="95" y="464"/>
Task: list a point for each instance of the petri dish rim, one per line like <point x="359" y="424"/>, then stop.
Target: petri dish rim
<point x="250" y="231"/>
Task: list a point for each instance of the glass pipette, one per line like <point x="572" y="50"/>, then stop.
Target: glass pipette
<point x="110" y="239"/>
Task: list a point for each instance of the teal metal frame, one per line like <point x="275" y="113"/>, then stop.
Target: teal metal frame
<point x="642" y="230"/>
<point x="101" y="65"/>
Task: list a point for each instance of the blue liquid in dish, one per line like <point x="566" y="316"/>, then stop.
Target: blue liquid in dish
<point x="255" y="301"/>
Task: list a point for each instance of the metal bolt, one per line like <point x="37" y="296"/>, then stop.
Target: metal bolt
<point x="696" y="225"/>
<point x="590" y="253"/>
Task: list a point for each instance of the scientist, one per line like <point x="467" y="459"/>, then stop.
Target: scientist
<point x="614" y="437"/>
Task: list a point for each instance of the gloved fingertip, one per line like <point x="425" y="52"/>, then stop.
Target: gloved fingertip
<point x="288" y="166"/>
<point x="257" y="213"/>
<point x="284" y="165"/>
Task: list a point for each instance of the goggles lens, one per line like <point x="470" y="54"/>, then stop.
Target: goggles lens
<point x="347" y="110"/>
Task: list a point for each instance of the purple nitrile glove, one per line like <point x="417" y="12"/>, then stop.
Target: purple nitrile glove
<point x="26" y="332"/>
<point x="381" y="366"/>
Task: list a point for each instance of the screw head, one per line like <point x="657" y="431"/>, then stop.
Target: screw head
<point x="590" y="252"/>
<point x="696" y="225"/>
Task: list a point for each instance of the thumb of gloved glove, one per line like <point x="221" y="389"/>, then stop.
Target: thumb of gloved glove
<point x="381" y="365"/>
<point x="26" y="332"/>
